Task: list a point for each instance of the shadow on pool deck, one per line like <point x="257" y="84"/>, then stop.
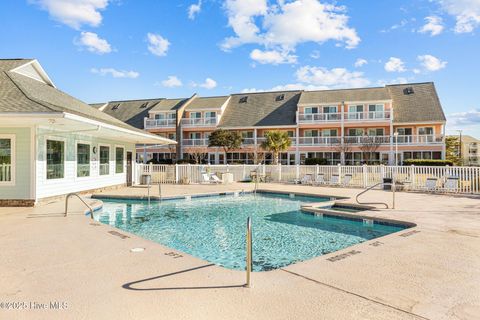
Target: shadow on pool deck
<point x="130" y="284"/>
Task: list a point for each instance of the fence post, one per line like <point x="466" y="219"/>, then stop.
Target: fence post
<point x="150" y="171"/>
<point x="317" y="172"/>
<point x="297" y="171"/>
<point x="279" y="172"/>
<point x="365" y="175"/>
<point x="339" y="173"/>
<point x="413" y="176"/>
<point x="244" y="172"/>
<point x="264" y="171"/>
<point x="176" y="173"/>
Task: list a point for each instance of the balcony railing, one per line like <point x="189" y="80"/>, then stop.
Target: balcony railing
<point x="318" y="141"/>
<point x="420" y="139"/>
<point x="199" y="122"/>
<point x="362" y="140"/>
<point x="195" y="142"/>
<point x="159" y="123"/>
<point x="248" y="141"/>
<point x="261" y="139"/>
<point x="367" y="116"/>
<point x="319" y="117"/>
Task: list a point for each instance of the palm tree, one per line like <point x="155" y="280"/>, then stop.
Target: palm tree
<point x="276" y="142"/>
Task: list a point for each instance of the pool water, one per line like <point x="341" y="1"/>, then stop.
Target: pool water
<point x="213" y="228"/>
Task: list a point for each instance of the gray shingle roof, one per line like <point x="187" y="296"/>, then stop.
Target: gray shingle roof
<point x="97" y="105"/>
<point x="261" y="109"/>
<point x="169" y="104"/>
<point x="9" y="64"/>
<point x="422" y="105"/>
<point x="131" y="112"/>
<point x="19" y="93"/>
<point x="337" y="96"/>
<point x="207" y="102"/>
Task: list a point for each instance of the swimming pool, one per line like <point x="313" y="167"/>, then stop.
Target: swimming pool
<point x="213" y="228"/>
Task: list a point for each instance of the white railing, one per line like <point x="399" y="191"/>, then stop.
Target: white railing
<point x="262" y="139"/>
<point x="195" y="142"/>
<point x="315" y="141"/>
<point x="319" y="117"/>
<point x="409" y="178"/>
<point x="367" y="116"/>
<point x="159" y="123"/>
<point x="5" y="172"/>
<point x="367" y="140"/>
<point x="194" y="122"/>
<point x="420" y="139"/>
<point x="248" y="141"/>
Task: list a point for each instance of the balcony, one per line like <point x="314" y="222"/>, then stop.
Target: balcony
<point x="347" y="117"/>
<point x="366" y="140"/>
<point x="195" y="142"/>
<point x="159" y="123"/>
<point x="248" y="141"/>
<point x="420" y="139"/>
<point x="318" y="141"/>
<point x="261" y="139"/>
<point x="199" y="122"/>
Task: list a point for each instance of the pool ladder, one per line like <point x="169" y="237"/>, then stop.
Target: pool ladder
<point x="381" y="203"/>
<point x="81" y="199"/>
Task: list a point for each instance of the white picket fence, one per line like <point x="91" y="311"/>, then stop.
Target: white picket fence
<point x="409" y="177"/>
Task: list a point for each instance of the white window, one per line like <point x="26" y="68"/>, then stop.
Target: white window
<point x="404" y="131"/>
<point x="83" y="160"/>
<point x="330" y="109"/>
<point x="311" y="133"/>
<point x="119" y="158"/>
<point x="172" y="116"/>
<point x="210" y="114"/>
<point x="355" y="112"/>
<point x="55" y="159"/>
<point x="355" y="132"/>
<point x="195" y="135"/>
<point x="104" y="160"/>
<point x="159" y="116"/>
<point x="376" y="111"/>
<point x="7" y="159"/>
<point x="425" y="131"/>
<point x="310" y="110"/>
<point x="195" y="115"/>
<point x="329" y="132"/>
<point x="375" y="131"/>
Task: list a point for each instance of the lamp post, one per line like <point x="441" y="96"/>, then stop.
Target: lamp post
<point x="395" y="135"/>
<point x="460" y="146"/>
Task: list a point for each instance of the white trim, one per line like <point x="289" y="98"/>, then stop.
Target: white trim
<point x="33" y="163"/>
<point x="115" y="159"/>
<point x="13" y="163"/>
<point x="54" y="138"/>
<point x="344" y="102"/>
<point x="109" y="159"/>
<point x="90" y="151"/>
<point x="38" y="67"/>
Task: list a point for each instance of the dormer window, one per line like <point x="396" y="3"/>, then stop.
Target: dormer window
<point x="280" y="97"/>
<point x="243" y="100"/>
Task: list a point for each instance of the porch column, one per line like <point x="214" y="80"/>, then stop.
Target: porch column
<point x="255" y="154"/>
<point x="297" y="147"/>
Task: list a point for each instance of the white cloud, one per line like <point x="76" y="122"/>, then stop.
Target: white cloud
<point x="115" y="73"/>
<point x="360" y="62"/>
<point x="94" y="43"/>
<point x="283" y="26"/>
<point x="157" y="44"/>
<point x="331" y="78"/>
<point x="272" y="57"/>
<point x="434" y="26"/>
<point x="172" y="82"/>
<point x="461" y="119"/>
<point x="209" y="83"/>
<point x="194" y="9"/>
<point x="395" y="65"/>
<point x="431" y="63"/>
<point x="466" y="13"/>
<point x="75" y="13"/>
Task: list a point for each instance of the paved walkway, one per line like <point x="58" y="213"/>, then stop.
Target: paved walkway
<point x="88" y="271"/>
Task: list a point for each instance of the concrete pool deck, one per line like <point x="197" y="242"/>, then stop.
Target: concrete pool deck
<point x="431" y="271"/>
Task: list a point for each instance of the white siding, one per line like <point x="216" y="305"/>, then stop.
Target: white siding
<point x="71" y="183"/>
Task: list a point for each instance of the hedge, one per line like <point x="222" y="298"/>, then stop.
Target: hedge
<point x="315" y="161"/>
<point x="428" y="163"/>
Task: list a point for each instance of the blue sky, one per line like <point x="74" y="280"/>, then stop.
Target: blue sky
<point x="100" y="50"/>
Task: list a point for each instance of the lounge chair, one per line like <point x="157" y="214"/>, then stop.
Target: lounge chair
<point x="334" y="180"/>
<point x="431" y="184"/>
<point x="451" y="185"/>
<point x="346" y="180"/>
<point x="320" y="179"/>
<point x="210" y="178"/>
<point x="215" y="178"/>
<point x="307" y="179"/>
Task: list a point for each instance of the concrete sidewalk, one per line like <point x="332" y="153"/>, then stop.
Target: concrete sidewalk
<point x="431" y="271"/>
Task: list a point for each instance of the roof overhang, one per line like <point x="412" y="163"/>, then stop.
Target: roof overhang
<point x="59" y="122"/>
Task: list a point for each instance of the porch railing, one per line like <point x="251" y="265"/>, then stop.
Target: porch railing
<point x="5" y="172"/>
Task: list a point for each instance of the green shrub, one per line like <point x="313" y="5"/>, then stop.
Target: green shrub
<point x="315" y="161"/>
<point x="428" y="163"/>
<point x="186" y="161"/>
<point x="161" y="161"/>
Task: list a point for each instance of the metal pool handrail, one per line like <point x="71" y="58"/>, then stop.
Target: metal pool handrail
<point x="382" y="203"/>
<point x="84" y="202"/>
<point x="249" y="252"/>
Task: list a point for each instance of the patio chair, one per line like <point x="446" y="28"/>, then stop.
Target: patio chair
<point x="307" y="179"/>
<point x="334" y="180"/>
<point x="346" y="179"/>
<point x="320" y="179"/>
<point x="215" y="179"/>
<point x="451" y="185"/>
<point x="431" y="184"/>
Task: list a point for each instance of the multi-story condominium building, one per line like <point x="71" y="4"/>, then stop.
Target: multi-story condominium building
<point x="470" y="150"/>
<point x="351" y="126"/>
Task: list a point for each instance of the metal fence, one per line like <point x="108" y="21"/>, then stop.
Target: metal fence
<point x="415" y="178"/>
